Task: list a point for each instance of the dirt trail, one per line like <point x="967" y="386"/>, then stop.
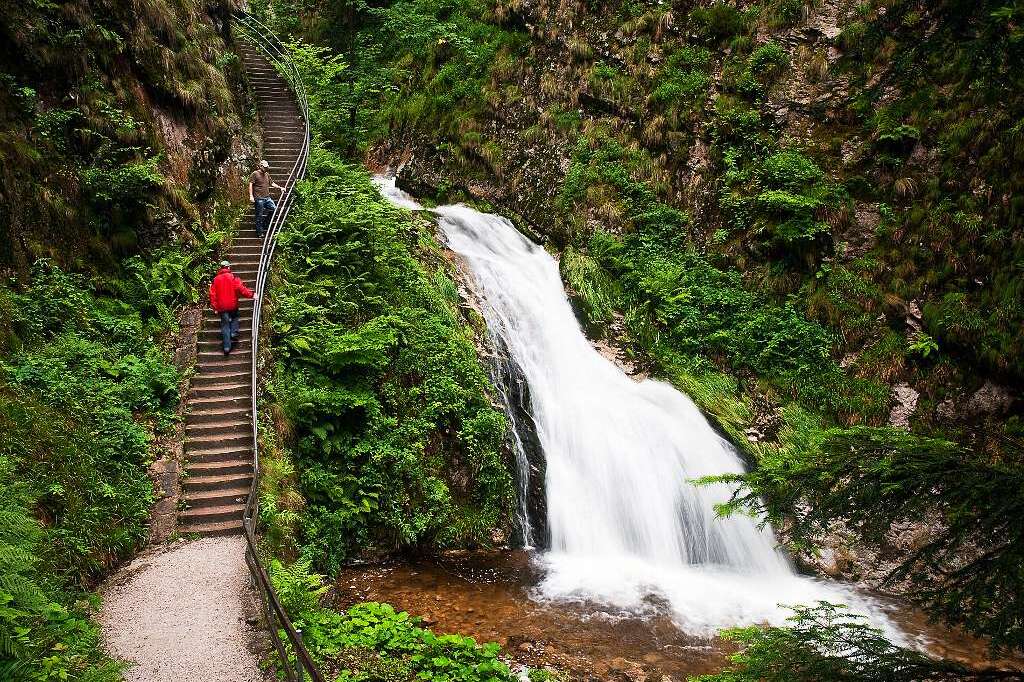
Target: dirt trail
<point x="183" y="614"/>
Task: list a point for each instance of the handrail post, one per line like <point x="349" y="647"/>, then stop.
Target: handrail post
<point x="299" y="674"/>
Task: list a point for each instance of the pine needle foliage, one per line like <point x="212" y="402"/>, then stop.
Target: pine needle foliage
<point x="825" y="642"/>
<point x="970" y="568"/>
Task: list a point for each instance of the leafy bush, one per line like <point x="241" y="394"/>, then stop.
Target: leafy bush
<point x="603" y="161"/>
<point x="783" y="13"/>
<point x="594" y="289"/>
<point x="781" y="194"/>
<point x="677" y="88"/>
<point x="707" y="311"/>
<point x="394" y="438"/>
<point x="768" y="59"/>
<point x="752" y="77"/>
<point x="122" y="187"/>
<point x="82" y="386"/>
<point x="371" y="642"/>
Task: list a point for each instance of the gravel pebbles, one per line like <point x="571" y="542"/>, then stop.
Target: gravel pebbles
<point x="183" y="615"/>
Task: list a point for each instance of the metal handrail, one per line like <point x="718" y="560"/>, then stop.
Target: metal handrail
<point x="263" y="39"/>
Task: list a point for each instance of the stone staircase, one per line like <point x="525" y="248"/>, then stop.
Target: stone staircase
<point x="218" y="422"/>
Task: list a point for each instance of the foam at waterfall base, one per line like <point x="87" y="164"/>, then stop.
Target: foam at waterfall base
<point x="700" y="599"/>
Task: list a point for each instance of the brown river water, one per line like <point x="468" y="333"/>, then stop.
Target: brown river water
<point x="486" y="595"/>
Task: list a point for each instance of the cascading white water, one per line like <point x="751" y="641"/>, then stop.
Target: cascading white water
<point x="628" y="528"/>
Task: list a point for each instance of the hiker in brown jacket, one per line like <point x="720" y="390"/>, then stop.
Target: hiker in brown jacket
<point x="260" y="183"/>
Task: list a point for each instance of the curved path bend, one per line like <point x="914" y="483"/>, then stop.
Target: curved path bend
<point x="187" y="613"/>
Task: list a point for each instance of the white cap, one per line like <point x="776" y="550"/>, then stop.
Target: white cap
<point x="225" y="264"/>
<point x="265" y="163"/>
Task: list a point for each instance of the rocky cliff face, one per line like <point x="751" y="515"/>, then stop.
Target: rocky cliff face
<point x="119" y="123"/>
<point x="843" y="176"/>
<point x="857" y="159"/>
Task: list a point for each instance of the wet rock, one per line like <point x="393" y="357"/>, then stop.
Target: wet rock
<point x="905" y="399"/>
<point x="947" y="409"/>
<point x="919" y="155"/>
<point x="515" y="394"/>
<point x="989" y="400"/>
<point x="628" y="669"/>
<point x="914" y="318"/>
<point x="860" y="236"/>
<point x="851" y="151"/>
<point x="499" y="537"/>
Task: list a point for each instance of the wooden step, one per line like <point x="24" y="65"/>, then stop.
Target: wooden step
<point x="243" y="317"/>
<point x="213" y="333"/>
<point x="221" y="468"/>
<point x="245" y="258"/>
<point x="218" y="497"/>
<point x="211" y="435"/>
<point x="200" y="415"/>
<point x="213" y="356"/>
<point x="215" y="482"/>
<point x="210" y="529"/>
<point x="228" y="457"/>
<point x="215" y="435"/>
<point x="233" y="400"/>
<point x="208" y="375"/>
<point x="221" y="512"/>
<point x="208" y="344"/>
<point x="226" y="389"/>
<point x="223" y="364"/>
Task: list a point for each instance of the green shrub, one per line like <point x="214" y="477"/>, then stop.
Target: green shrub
<point x="717" y="21"/>
<point x="785" y="13"/>
<point x="675" y="86"/>
<point x="82" y="387"/>
<point x="371" y="642"/>
<point x="781" y="194"/>
<point x="595" y="290"/>
<point x="768" y="59"/>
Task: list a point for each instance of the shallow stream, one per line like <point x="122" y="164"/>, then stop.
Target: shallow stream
<point x="492" y="596"/>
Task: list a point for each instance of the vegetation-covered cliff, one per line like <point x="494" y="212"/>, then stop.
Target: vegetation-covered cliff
<point x="803" y="214"/>
<point x="116" y="120"/>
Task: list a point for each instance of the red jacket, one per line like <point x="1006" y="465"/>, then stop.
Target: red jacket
<point x="225" y="289"/>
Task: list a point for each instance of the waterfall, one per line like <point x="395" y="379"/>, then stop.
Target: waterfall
<point x="628" y="529"/>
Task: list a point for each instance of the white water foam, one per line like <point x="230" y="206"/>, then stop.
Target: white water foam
<point x="628" y="529"/>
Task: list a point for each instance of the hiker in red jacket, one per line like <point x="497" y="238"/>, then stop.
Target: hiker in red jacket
<point x="225" y="289"/>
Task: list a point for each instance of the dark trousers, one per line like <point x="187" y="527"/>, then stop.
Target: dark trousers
<point x="265" y="208"/>
<point x="228" y="328"/>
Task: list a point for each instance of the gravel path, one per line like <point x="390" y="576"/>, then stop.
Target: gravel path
<point x="181" y="615"/>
